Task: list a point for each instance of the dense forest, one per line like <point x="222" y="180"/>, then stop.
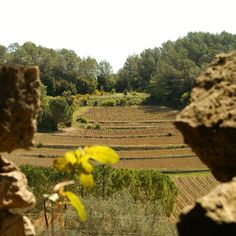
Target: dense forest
<point x="166" y="72"/>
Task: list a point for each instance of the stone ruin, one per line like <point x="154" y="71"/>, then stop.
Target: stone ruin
<point x="208" y="125"/>
<point x="19" y="103"/>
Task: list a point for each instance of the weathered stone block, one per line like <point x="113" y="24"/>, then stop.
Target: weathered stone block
<point x="13" y="187"/>
<point x="19" y="103"/>
<point x="212" y="215"/>
<point x="208" y="124"/>
<point x="15" y="225"/>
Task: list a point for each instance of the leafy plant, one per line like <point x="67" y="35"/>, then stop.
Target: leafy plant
<point x="82" y="120"/>
<point x="109" y="103"/>
<point x="77" y="162"/>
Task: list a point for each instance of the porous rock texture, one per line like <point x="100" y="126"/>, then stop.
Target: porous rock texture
<point x="19" y="103"/>
<point x="212" y="215"/>
<point x="15" y="225"/>
<point x="208" y="124"/>
<point x="13" y="191"/>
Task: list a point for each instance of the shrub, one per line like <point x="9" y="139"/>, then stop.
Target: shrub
<point x="39" y="145"/>
<point x="125" y="92"/>
<point x="169" y="134"/>
<point x="85" y="102"/>
<point x="95" y="103"/>
<point x="82" y="119"/>
<point x="89" y="127"/>
<point x="143" y="185"/>
<point x="58" y="110"/>
<point x="121" y="102"/>
<point x="45" y="120"/>
<point x="113" y="91"/>
<point x="97" y="126"/>
<point x="121" y="215"/>
<point x="109" y="103"/>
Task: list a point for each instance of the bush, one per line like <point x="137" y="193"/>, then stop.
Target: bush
<point x="95" y="103"/>
<point x="82" y="120"/>
<point x="125" y="92"/>
<point x="121" y="215"/>
<point x="113" y="91"/>
<point x="143" y="185"/>
<point x="90" y="127"/>
<point x="97" y="126"/>
<point x="121" y="102"/>
<point x="109" y="103"/>
<point x="45" y="120"/>
<point x="58" y="110"/>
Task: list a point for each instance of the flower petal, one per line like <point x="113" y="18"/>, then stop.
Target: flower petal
<point x="102" y="154"/>
<point x="77" y="204"/>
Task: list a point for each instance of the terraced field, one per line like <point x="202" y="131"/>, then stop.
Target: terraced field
<point x="144" y="137"/>
<point x="192" y="188"/>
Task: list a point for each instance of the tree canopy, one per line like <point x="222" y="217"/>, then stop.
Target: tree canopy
<point x="166" y="72"/>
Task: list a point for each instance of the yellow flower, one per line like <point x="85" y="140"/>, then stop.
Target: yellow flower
<point x="86" y="180"/>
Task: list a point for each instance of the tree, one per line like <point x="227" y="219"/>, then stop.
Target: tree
<point x="87" y="76"/>
<point x="3" y="54"/>
<point x="129" y="77"/>
<point x="105" y="76"/>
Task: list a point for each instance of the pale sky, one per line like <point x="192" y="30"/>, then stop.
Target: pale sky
<point x="111" y="29"/>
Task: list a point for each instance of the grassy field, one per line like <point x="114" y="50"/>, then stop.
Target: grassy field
<point x="144" y="137"/>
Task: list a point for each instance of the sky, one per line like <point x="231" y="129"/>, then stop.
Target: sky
<point x="111" y="30"/>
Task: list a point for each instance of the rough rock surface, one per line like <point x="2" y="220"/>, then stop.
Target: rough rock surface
<point x="15" y="225"/>
<point x="13" y="191"/>
<point x="212" y="215"/>
<point x="19" y="103"/>
<point x="209" y="122"/>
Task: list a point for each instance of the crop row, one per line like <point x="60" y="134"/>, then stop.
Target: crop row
<point x="129" y="113"/>
<point x="192" y="188"/>
<point x="161" y="163"/>
<point x="148" y="131"/>
<point x="78" y="141"/>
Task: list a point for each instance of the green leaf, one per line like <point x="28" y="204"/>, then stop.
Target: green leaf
<point x="102" y="154"/>
<point x="76" y="203"/>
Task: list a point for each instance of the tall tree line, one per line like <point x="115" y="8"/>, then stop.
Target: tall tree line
<point x="61" y="70"/>
<point x="166" y="72"/>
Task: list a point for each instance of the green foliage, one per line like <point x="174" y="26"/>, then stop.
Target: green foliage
<point x="113" y="91"/>
<point x="143" y="185"/>
<point x="82" y="119"/>
<point x="168" y="72"/>
<point x="125" y="216"/>
<point x="108" y="103"/>
<point x="45" y="120"/>
<point x="41" y="180"/>
<point x="97" y="126"/>
<point x="125" y="92"/>
<point x="55" y="111"/>
<point x="105" y="76"/>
